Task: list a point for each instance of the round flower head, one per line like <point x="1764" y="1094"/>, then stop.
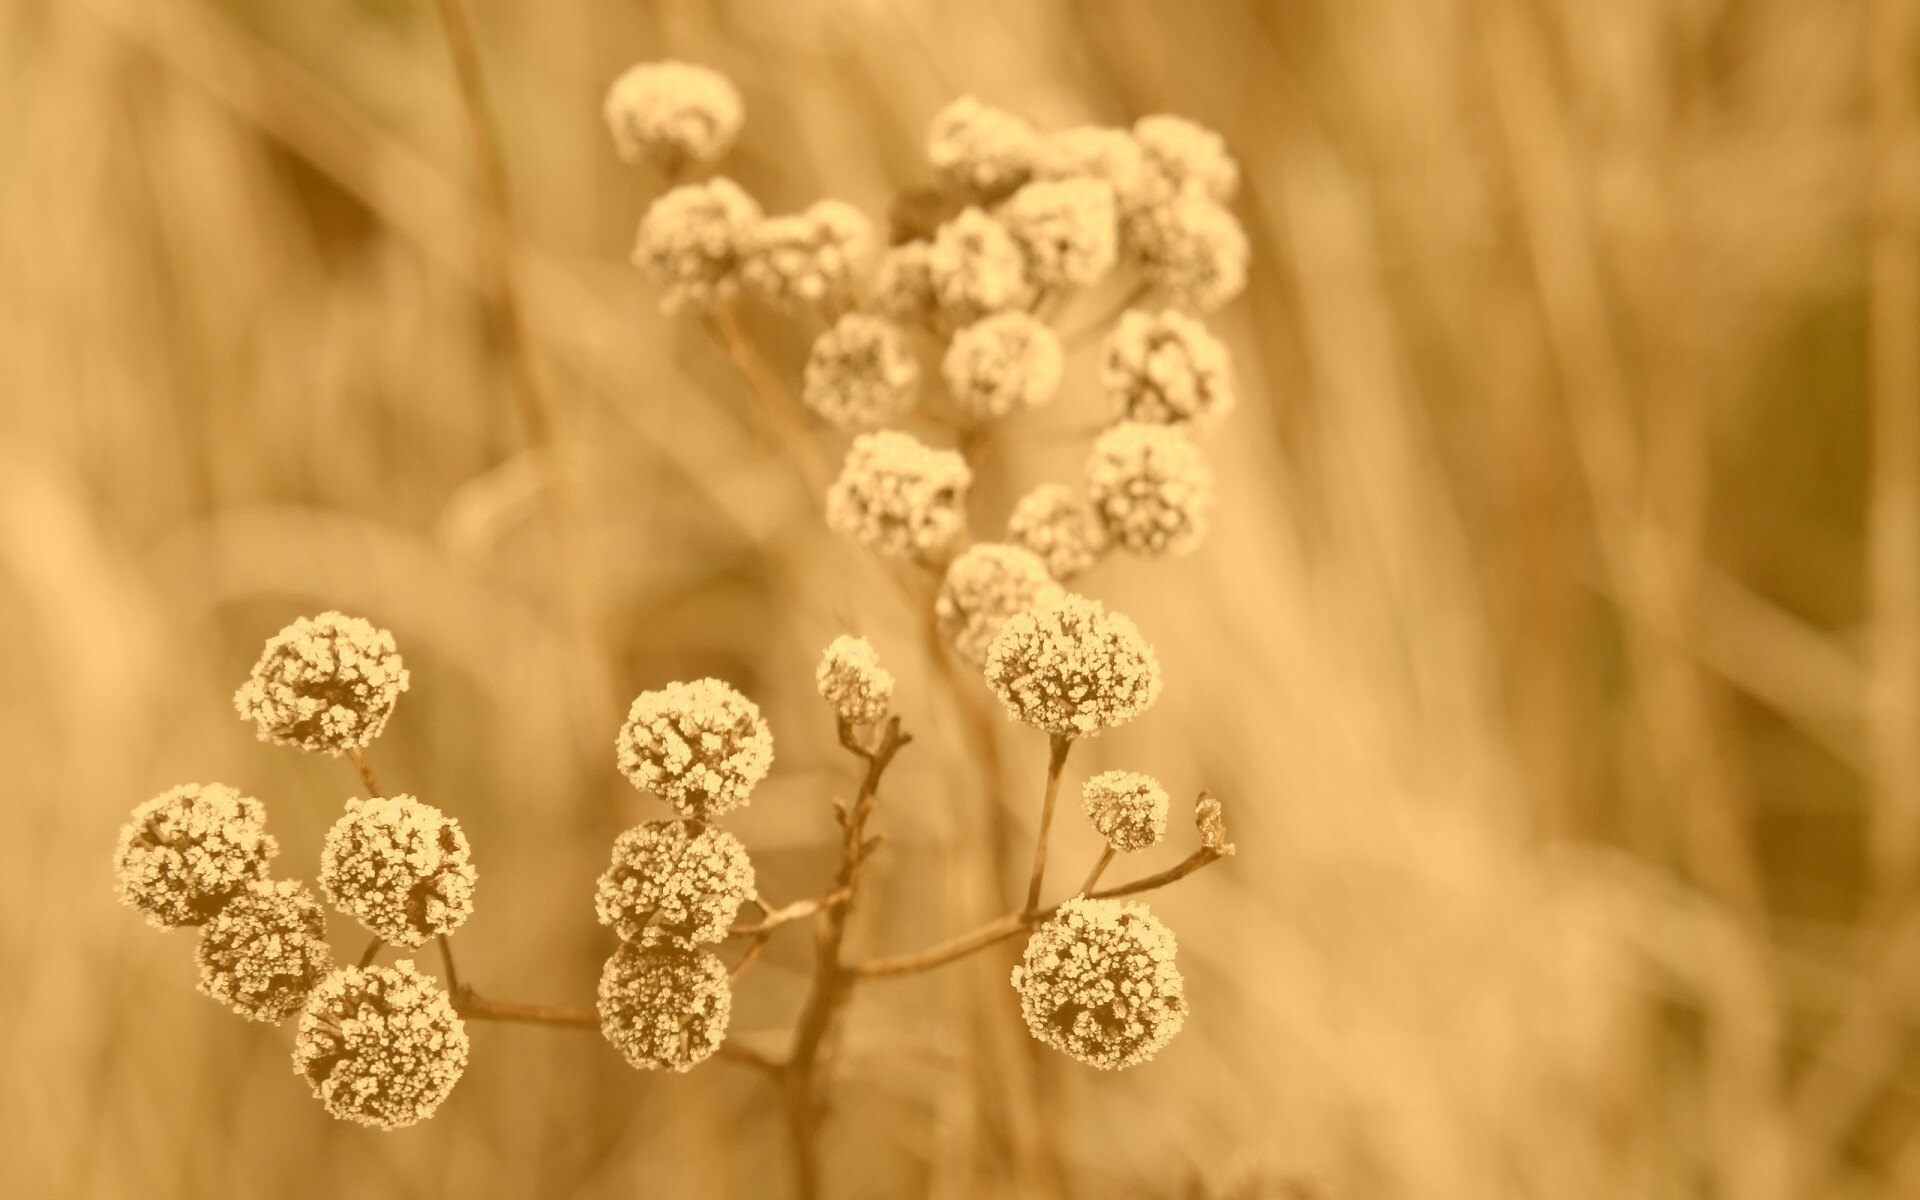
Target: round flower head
<point x="1098" y="983"/>
<point x="699" y="746"/>
<point x="673" y="113"/>
<point x="851" y="679"/>
<point x="976" y="267"/>
<point x="1093" y="151"/>
<point x="980" y="149"/>
<point x="1194" y="251"/>
<point x="664" y="1002"/>
<point x="808" y="258"/>
<point x="1056" y="523"/>
<point x="1071" y="668"/>
<point x="1068" y="229"/>
<point x="690" y="243"/>
<point x="898" y="497"/>
<point x="380" y="1046"/>
<point x="861" y="373"/>
<point x="901" y="285"/>
<point x="324" y="683"/>
<point x="265" y="951"/>
<point x="399" y="867"/>
<point x="1002" y="363"/>
<point x="984" y="585"/>
<point x="187" y="851"/>
<point x="1166" y="369"/>
<point x="679" y="875"/>
<point x="1151" y="487"/>
<point x="1187" y="156"/>
<point x="1128" y="808"/>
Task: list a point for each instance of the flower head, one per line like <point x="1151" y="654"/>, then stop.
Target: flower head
<point x="1056" y="523"/>
<point x="980" y="149"/>
<point x="1185" y="155"/>
<point x="187" y="851"/>
<point x="901" y="284"/>
<point x="898" y="497"/>
<point x="679" y="875"/>
<point x="1003" y="363"/>
<point x="1068" y="229"/>
<point x="984" y="585"/>
<point x="325" y="683"/>
<point x="808" y="258"/>
<point x="851" y="679"/>
<point x="1152" y="488"/>
<point x="380" y="1046"/>
<point x="1097" y="152"/>
<point x="691" y="242"/>
<point x="976" y="267"/>
<point x="1071" y="668"/>
<point x="265" y="951"/>
<point x="1166" y="369"/>
<point x="1128" y="808"/>
<point x="699" y="746"/>
<point x="399" y="867"/>
<point x="664" y="1002"/>
<point x="673" y="113"/>
<point x="1098" y="983"/>
<point x="1193" y="250"/>
<point x="861" y="373"/>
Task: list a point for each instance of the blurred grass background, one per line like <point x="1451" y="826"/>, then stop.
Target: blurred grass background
<point x="1554" y="652"/>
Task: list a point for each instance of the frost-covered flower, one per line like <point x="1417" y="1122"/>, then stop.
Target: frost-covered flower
<point x="1056" y="523"/>
<point x="851" y="679"/>
<point x="1185" y="155"/>
<point x="399" y="867"/>
<point x="673" y="113"/>
<point x="976" y="267"/>
<point x="325" y="683"/>
<point x="679" y="875"/>
<point x="187" y="851"/>
<point x="861" y="373"/>
<point x="807" y="258"/>
<point x="699" y="746"/>
<point x="1071" y="668"/>
<point x="265" y="950"/>
<point x="901" y="284"/>
<point x="1068" y="229"/>
<point x="984" y="585"/>
<point x="690" y="243"/>
<point x="1099" y="152"/>
<point x="1128" y="808"/>
<point x="898" y="497"/>
<point x="1193" y="250"/>
<point x="1152" y="488"/>
<point x="1165" y="369"/>
<point x="980" y="149"/>
<point x="1098" y="982"/>
<point x="1003" y="363"/>
<point x="380" y="1046"/>
<point x="664" y="1002"/>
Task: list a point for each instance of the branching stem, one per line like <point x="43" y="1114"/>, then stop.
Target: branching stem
<point x="1056" y="762"/>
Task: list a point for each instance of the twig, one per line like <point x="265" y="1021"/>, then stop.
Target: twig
<point x="371" y="952"/>
<point x="1099" y="869"/>
<point x="787" y="914"/>
<point x="476" y="1008"/>
<point x="754" y="948"/>
<point x="1056" y="761"/>
<point x="366" y="771"/>
<point x="446" y="959"/>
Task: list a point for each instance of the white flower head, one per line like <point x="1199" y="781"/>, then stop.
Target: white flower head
<point x="1152" y="488"/>
<point x="1002" y="364"/>
<point x="664" y="1002"/>
<point x="901" y="283"/>
<point x="265" y="951"/>
<point x="851" y="679"/>
<point x="324" y="684"/>
<point x="380" y="1046"/>
<point x="976" y="267"/>
<point x="861" y="373"/>
<point x="900" y="498"/>
<point x="984" y="585"/>
<point x="691" y="240"/>
<point x="1057" y="524"/>
<point x="673" y="113"/>
<point x="1185" y="155"/>
<point x="401" y="868"/>
<point x="807" y="259"/>
<point x="1068" y="229"/>
<point x="979" y="149"/>
<point x="1193" y="250"/>
<point x="1098" y="152"/>
<point x="1099" y="983"/>
<point x="1071" y="668"/>
<point x="189" y="850"/>
<point x="682" y="876"/>
<point x="1128" y="808"/>
<point x="700" y="746"/>
<point x="1165" y="369"/>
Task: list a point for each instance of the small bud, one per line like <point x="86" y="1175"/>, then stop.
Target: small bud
<point x="187" y="851"/>
<point x="1071" y="668"/>
<point x="700" y="746"/>
<point x="1128" y="808"/>
<point x="1003" y="363"/>
<point x="1098" y="983"/>
<point x="325" y="683"/>
<point x="380" y="1046"/>
<point x="900" y="498"/>
<point x="265" y="951"/>
<point x="861" y="373"/>
<point x="690" y="243"/>
<point x="1057" y="524"/>
<point x="1152" y="488"/>
<point x="673" y="113"/>
<point x="1210" y="820"/>
<point x="664" y="1002"/>
<point x="851" y="679"/>
<point x="984" y="585"/>
<point x="401" y="868"/>
<point x="678" y="875"/>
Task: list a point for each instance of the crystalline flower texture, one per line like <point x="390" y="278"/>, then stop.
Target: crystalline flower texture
<point x="265" y="951"/>
<point x="678" y="875"/>
<point x="1098" y="982"/>
<point x="1071" y="668"/>
<point x="1166" y="369"/>
<point x="1001" y="364"/>
<point x="984" y="585"/>
<point x="380" y="1046"/>
<point x="1152" y="488"/>
<point x="851" y="679"/>
<point x="664" y="1002"/>
<point x="402" y="868"/>
<point x="673" y="113"/>
<point x="900" y="498"/>
<point x="1128" y="808"/>
<point x="699" y="746"/>
<point x="1056" y="523"/>
<point x="189" y="850"/>
<point x="861" y="373"/>
<point x="325" y="683"/>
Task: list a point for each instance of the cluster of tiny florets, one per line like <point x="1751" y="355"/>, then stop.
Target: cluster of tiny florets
<point x="1165" y="369"/>
<point x="1128" y="808"/>
<point x="1071" y="668"/>
<point x="1151" y="487"/>
<point x="187" y="851"/>
<point x="679" y="875"/>
<point x="976" y="267"/>
<point x="664" y="1002"/>
<point x="691" y="243"/>
<point x="851" y="679"/>
<point x="808" y="258"/>
<point x="1068" y="228"/>
<point x="380" y="1046"/>
<point x="1187" y="156"/>
<point x="401" y="868"/>
<point x="265" y="950"/>
<point x="981" y="150"/>
<point x="984" y="585"/>
<point x="325" y="683"/>
<point x="899" y="497"/>
<point x="1098" y="152"/>
<point x="699" y="746"/>
<point x="901" y="283"/>
<point x="1056" y="523"/>
<point x="1193" y="251"/>
<point x="673" y="113"/>
<point x="1003" y="363"/>
<point x="1098" y="982"/>
<point x="861" y="373"/>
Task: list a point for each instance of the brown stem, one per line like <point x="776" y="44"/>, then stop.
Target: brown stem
<point x="476" y="1008"/>
<point x="1099" y="869"/>
<point x="747" y="960"/>
<point x="1056" y="761"/>
<point x="777" y="403"/>
<point x="787" y="914"/>
<point x="360" y="764"/>
<point x="371" y="952"/>
<point x="446" y="960"/>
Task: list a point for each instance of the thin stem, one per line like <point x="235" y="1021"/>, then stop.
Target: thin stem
<point x="1056" y="761"/>
<point x="476" y="1008"/>
<point x="446" y="960"/>
<point x="1076" y="338"/>
<point x="1099" y="869"/>
<point x="360" y="764"/>
<point x="787" y="914"/>
<point x="371" y="952"/>
<point x="748" y="959"/>
<point x="723" y="325"/>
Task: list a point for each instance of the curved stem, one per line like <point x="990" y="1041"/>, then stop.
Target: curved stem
<point x="1099" y="869"/>
<point x="1056" y="762"/>
<point x="360" y="764"/>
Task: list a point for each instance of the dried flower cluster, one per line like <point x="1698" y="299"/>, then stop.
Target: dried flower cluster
<point x="1152" y="488"/>
<point x="899" y="497"/>
<point x="399" y="867"/>
<point x="189" y="850"/>
<point x="861" y="373"/>
<point x="325" y="683"/>
<point x="699" y="746"/>
<point x="664" y="1002"/>
<point x="687" y="878"/>
<point x="1098" y="982"/>
<point x="984" y="585"/>
<point x="1071" y="668"/>
<point x="693" y="240"/>
<point x="807" y="259"/>
<point x="380" y="1046"/>
<point x="265" y="951"/>
<point x="1165" y="368"/>
<point x="1002" y="364"/>
<point x="851" y="679"/>
<point x="673" y="113"/>
<point x="1128" y="808"/>
<point x="1057" y="524"/>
